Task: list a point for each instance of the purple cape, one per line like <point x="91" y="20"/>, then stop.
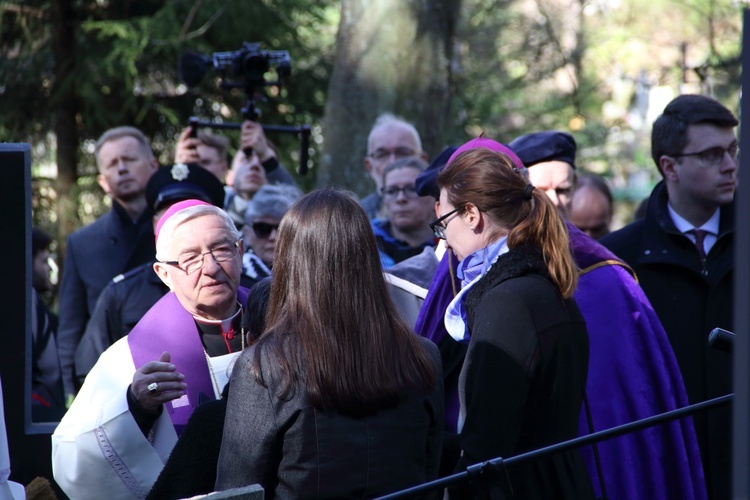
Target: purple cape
<point x="167" y="326"/>
<point x="632" y="374"/>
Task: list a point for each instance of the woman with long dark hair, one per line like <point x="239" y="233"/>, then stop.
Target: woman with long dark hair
<point x="337" y="398"/>
<point x="522" y="382"/>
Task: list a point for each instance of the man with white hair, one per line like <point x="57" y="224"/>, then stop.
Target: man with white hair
<point x="115" y="439"/>
<point x="390" y="139"/>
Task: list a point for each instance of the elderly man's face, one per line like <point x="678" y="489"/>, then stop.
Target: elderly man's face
<point x="388" y="144"/>
<point x="211" y="291"/>
<point x="557" y="180"/>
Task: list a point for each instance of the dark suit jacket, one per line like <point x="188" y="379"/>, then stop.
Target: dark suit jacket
<point x="94" y="255"/>
<point x="296" y="451"/>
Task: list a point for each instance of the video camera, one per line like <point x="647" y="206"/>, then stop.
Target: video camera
<point x="246" y="69"/>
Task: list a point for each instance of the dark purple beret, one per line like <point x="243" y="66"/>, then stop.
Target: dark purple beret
<point x="426" y="183"/>
<point x="550" y="145"/>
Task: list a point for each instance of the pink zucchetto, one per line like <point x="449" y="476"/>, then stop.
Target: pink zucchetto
<point x="177" y="207"/>
<point x="481" y="142"/>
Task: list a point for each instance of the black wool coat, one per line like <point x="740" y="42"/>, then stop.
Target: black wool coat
<point x="521" y="386"/>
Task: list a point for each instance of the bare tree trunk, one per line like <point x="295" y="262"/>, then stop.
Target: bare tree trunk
<point x="65" y="111"/>
<point x="392" y="56"/>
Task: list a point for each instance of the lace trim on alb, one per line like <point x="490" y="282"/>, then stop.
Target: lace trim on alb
<point x="114" y="460"/>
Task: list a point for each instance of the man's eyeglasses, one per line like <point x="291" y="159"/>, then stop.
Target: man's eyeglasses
<point x="393" y="191"/>
<point x="397" y="153"/>
<point x="713" y="156"/>
<point x="437" y="226"/>
<point x="263" y="229"/>
<point x="191" y="262"/>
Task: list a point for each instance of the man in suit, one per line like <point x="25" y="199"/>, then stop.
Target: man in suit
<point x="683" y="252"/>
<point x="119" y="240"/>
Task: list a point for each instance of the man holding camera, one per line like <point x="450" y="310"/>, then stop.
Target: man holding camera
<point x="254" y="164"/>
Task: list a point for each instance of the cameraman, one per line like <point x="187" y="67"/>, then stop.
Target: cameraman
<point x="205" y="149"/>
<point x="250" y="172"/>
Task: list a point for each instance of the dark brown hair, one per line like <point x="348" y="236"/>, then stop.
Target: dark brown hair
<point x="669" y="132"/>
<point x="331" y="322"/>
<point x="489" y="181"/>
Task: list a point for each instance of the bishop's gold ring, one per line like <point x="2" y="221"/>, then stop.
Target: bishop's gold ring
<point x="153" y="388"/>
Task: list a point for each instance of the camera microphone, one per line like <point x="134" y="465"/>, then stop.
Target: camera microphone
<point x="193" y="67"/>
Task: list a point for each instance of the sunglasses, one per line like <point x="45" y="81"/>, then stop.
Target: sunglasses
<point x="263" y="229"/>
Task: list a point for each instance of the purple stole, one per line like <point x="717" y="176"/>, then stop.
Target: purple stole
<point x="167" y="326"/>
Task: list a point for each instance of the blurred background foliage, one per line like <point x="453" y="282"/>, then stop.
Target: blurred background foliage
<point x="600" y="69"/>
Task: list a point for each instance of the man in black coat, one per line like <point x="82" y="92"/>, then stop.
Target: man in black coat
<point x="682" y="252"/>
<point x="119" y="240"/>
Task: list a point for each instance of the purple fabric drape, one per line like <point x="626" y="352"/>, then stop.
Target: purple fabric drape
<point x="632" y="374"/>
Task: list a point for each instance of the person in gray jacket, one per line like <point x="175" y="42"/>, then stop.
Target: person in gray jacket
<point x="337" y="398"/>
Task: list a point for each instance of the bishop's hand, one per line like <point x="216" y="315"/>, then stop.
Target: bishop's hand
<point x="156" y="383"/>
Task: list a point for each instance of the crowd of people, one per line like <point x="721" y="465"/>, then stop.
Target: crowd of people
<point x="242" y="332"/>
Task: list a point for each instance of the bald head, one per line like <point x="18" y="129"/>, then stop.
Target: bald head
<point x="591" y="211"/>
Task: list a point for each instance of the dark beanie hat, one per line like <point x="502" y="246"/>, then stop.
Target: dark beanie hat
<point x="426" y="182"/>
<point x="550" y="145"/>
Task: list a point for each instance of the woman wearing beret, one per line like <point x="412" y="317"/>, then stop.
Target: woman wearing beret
<point x="521" y="386"/>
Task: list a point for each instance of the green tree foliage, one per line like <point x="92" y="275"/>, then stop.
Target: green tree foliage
<point x="391" y="56"/>
<point x="73" y="68"/>
<point x="601" y="69"/>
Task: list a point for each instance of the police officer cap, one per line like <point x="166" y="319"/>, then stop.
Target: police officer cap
<point x="183" y="181"/>
<point x="550" y="145"/>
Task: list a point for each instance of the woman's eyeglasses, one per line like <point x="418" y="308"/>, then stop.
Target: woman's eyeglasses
<point x="437" y="226"/>
<point x="263" y="229"/>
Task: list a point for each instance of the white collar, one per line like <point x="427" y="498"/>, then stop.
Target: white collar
<point x="682" y="225"/>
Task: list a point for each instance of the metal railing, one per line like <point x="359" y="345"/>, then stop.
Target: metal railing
<point x="491" y="469"/>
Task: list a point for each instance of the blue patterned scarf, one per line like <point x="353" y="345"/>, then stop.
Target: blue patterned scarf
<point x="471" y="270"/>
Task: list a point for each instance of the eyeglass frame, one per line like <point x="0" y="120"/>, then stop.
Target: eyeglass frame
<point x="409" y="191"/>
<point x="438" y="229"/>
<point x="274" y="227"/>
<point x="700" y="154"/>
<point x="387" y="153"/>
<point x="176" y="263"/>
